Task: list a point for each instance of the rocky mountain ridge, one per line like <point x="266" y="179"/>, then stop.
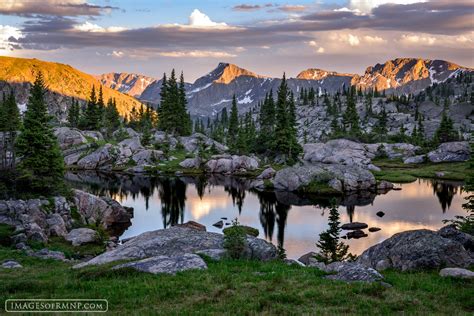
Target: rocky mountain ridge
<point x="209" y="94"/>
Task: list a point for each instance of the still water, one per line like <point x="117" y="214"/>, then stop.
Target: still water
<point x="291" y="221"/>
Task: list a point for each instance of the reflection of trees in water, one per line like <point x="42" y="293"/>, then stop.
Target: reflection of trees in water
<point x="273" y="212"/>
<point x="238" y="196"/>
<point x="445" y="192"/>
<point x="350" y="212"/>
<point x="201" y="184"/>
<point x="172" y="193"/>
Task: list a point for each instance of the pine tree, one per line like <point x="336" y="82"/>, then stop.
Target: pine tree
<point x="233" y="130"/>
<point x="351" y="117"/>
<point x="445" y="132"/>
<point x="90" y="119"/>
<point x="172" y="114"/>
<point x="41" y="167"/>
<point x="74" y="114"/>
<point x="100" y="109"/>
<point x="111" y="117"/>
<point x="10" y="123"/>
<point x="285" y="143"/>
<point x="331" y="249"/>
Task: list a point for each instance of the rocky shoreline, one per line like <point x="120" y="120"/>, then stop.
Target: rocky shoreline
<point x="181" y="247"/>
<point x="339" y="166"/>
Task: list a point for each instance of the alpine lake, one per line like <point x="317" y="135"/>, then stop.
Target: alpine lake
<point x="290" y="221"/>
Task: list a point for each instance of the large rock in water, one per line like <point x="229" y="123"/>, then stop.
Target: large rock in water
<point x="450" y="152"/>
<point x="416" y="249"/>
<point x="177" y="241"/>
<point x="102" y="211"/>
<point x="231" y="164"/>
<point x="349" y="178"/>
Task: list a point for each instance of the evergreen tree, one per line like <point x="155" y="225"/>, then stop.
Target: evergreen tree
<point x="351" y="117"/>
<point x="74" y="114"/>
<point x="10" y="123"/>
<point x="111" y="117"/>
<point x="285" y="142"/>
<point x="91" y="117"/>
<point x="100" y="109"/>
<point x="445" y="132"/>
<point x="331" y="249"/>
<point x="233" y="130"/>
<point x="42" y="166"/>
<point x="172" y="114"/>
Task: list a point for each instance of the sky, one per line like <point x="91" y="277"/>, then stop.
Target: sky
<point x="151" y="37"/>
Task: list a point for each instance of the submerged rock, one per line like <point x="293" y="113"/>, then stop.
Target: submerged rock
<point x="167" y="264"/>
<point x="218" y="224"/>
<point x="356" y="234"/>
<point x="374" y="229"/>
<point x="354" y="226"/>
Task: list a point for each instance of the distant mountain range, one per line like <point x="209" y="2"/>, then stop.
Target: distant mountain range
<point x="209" y="94"/>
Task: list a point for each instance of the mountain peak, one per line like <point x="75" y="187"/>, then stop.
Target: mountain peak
<point x="226" y="73"/>
<point x="319" y="74"/>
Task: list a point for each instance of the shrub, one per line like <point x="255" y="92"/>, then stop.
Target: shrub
<point x="235" y="240"/>
<point x="247" y="230"/>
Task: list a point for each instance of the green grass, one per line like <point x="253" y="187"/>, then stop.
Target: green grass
<point x="172" y="166"/>
<point x="397" y="171"/>
<point x="70" y="251"/>
<point x="319" y="188"/>
<point x="236" y="287"/>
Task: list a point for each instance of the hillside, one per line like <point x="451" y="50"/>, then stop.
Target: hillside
<point x="63" y="82"/>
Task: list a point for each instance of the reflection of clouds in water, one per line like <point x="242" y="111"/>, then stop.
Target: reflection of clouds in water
<point x="417" y="205"/>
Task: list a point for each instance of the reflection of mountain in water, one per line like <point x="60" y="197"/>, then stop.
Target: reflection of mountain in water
<point x="445" y="191"/>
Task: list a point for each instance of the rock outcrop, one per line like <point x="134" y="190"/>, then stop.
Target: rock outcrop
<point x="167" y="264"/>
<point x="81" y="236"/>
<point x="227" y="164"/>
<point x="40" y="219"/>
<point x="450" y="152"/>
<point x="177" y="241"/>
<point x="416" y="249"/>
<point x="340" y="177"/>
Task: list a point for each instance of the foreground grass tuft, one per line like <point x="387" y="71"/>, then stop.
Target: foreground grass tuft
<point x="236" y="287"/>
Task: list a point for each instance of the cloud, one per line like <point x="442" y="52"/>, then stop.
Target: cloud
<point x="89" y="27"/>
<point x="199" y="19"/>
<point x="7" y="33"/>
<point x="246" y="7"/>
<point x="319" y="49"/>
<point x="196" y="54"/>
<point x="52" y="7"/>
<point x="417" y="39"/>
<point x="367" y="5"/>
<point x="292" y="8"/>
<point x="116" y="54"/>
<point x="373" y="39"/>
